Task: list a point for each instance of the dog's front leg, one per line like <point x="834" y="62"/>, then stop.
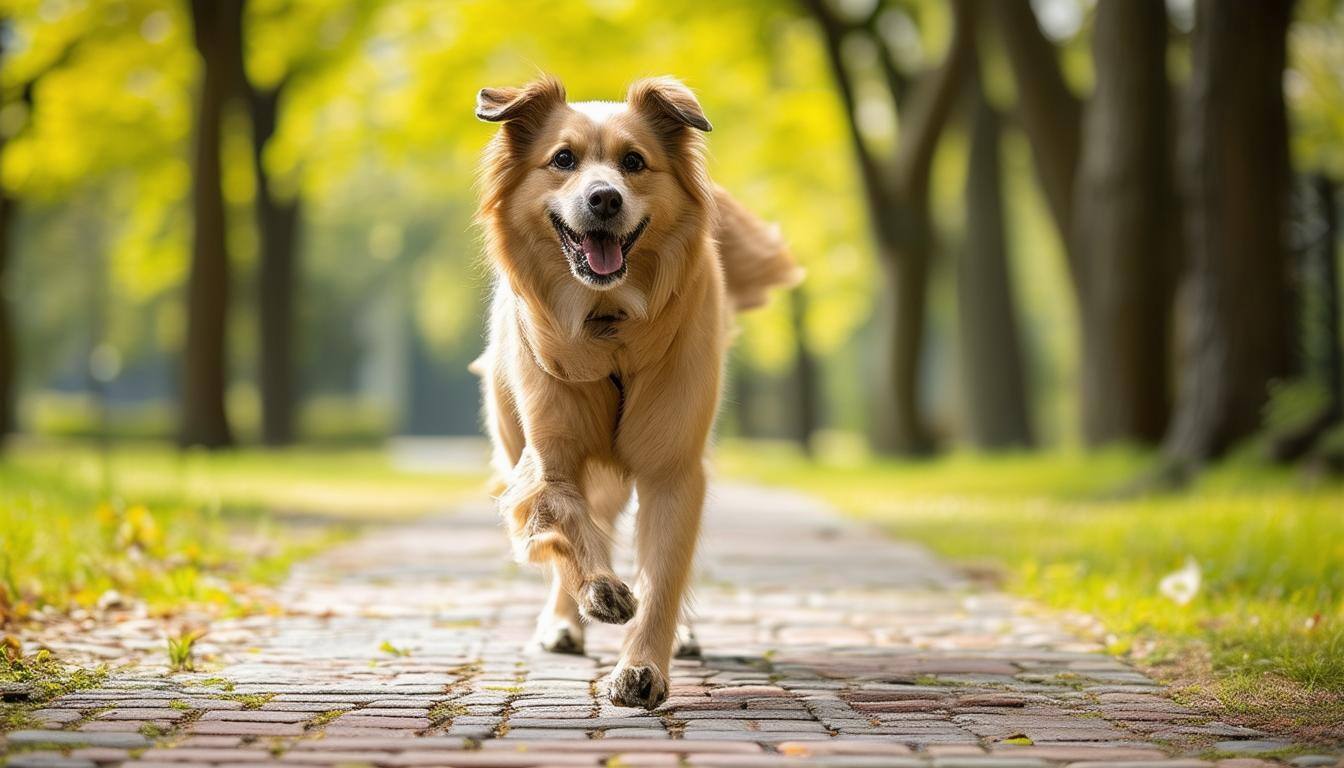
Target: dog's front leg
<point x="668" y="523"/>
<point x="550" y="524"/>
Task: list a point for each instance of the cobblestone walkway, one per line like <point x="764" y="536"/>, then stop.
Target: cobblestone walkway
<point x="824" y="644"/>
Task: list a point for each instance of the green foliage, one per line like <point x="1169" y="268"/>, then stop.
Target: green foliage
<point x="46" y="675"/>
<point x="323" y="718"/>
<point x="377" y="138"/>
<point x="250" y="700"/>
<point x="1294" y="405"/>
<point x="43" y="677"/>
<point x="324" y="420"/>
<point x="387" y="647"/>
<point x="182" y="651"/>
<point x="376" y="135"/>
<point x="153" y="731"/>
<point x="200" y="530"/>
<point x="445" y="711"/>
<point x="1315" y="89"/>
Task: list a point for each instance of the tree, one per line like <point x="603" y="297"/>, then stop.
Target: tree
<point x="217" y="29"/>
<point x="1317" y="299"/>
<point x="1104" y="167"/>
<point x="9" y="356"/>
<point x="992" y="370"/>
<point x="897" y="196"/>
<point x="22" y="94"/>
<point x="282" y="51"/>
<point x="806" y="408"/>
<point x="1237" y="323"/>
<point x="277" y="276"/>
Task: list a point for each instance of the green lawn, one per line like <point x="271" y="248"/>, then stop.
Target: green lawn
<point x="194" y="529"/>
<point x="1262" y="638"/>
<point x="175" y="531"/>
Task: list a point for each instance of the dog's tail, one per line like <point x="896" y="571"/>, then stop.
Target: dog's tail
<point x="754" y="255"/>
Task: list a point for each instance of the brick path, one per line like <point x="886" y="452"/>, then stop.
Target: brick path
<point x="825" y="644"/>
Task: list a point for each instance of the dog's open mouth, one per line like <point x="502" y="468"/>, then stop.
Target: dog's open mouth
<point x="597" y="256"/>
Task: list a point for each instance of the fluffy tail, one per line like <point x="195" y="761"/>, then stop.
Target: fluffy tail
<point x="754" y="255"/>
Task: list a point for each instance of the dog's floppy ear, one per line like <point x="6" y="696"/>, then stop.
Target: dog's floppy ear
<point x="526" y="104"/>
<point x="669" y="102"/>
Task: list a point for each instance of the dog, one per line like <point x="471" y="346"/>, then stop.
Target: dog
<point x="617" y="268"/>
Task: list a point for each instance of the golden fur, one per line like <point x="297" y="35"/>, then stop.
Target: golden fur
<point x="594" y="389"/>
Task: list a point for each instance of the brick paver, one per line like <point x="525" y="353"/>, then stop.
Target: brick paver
<point x="824" y="644"/>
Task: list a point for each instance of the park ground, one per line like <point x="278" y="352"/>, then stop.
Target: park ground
<point x="1230" y="592"/>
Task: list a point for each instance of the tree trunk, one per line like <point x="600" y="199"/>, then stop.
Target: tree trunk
<point x="1318" y="291"/>
<point x="1237" y="326"/>
<point x="1332" y="364"/>
<point x="1050" y="114"/>
<point x="277" y="278"/>
<point x="806" y="408"/>
<point x="9" y="354"/>
<point x="992" y="372"/>
<point x="898" y="209"/>
<point x="1123" y="202"/>
<point x="218" y="32"/>
<point x="898" y="424"/>
<point x="1106" y="176"/>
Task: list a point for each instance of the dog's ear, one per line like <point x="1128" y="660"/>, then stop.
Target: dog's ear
<point x="669" y="103"/>
<point x="526" y="105"/>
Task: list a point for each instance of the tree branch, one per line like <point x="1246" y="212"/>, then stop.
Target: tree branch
<point x="23" y="90"/>
<point x="897" y="82"/>
<point x="930" y="104"/>
<point x="1049" y="112"/>
<point x="833" y="33"/>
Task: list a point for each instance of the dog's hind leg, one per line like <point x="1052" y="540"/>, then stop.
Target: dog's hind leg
<point x="559" y="629"/>
<point x="688" y="646"/>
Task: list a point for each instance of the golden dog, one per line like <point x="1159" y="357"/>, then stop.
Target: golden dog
<point x="617" y="266"/>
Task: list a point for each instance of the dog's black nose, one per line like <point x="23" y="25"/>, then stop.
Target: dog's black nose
<point x="604" y="201"/>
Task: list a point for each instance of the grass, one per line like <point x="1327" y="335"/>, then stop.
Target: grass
<point x="1262" y="638"/>
<point x="178" y="530"/>
<point x="250" y="700"/>
<point x="322" y="719"/>
<point x="41" y="678"/>
<point x="175" y="531"/>
<point x="182" y="651"/>
<point x="445" y="711"/>
<point x="387" y="647"/>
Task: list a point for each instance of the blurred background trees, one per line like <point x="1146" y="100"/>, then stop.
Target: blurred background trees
<point x="1241" y="326"/>
<point x="1103" y="162"/>
<point x="1046" y="223"/>
<point x="897" y="184"/>
<point x="217" y="31"/>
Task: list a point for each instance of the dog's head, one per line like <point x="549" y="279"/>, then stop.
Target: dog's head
<point x="594" y="186"/>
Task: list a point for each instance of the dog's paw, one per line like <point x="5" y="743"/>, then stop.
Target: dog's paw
<point x="687" y="647"/>
<point x="560" y="637"/>
<point x="607" y="600"/>
<point x="641" y="686"/>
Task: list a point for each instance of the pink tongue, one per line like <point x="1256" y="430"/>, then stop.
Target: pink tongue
<point x="603" y="252"/>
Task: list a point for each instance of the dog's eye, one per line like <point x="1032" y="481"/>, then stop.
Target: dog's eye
<point x="564" y="160"/>
<point x="632" y="162"/>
